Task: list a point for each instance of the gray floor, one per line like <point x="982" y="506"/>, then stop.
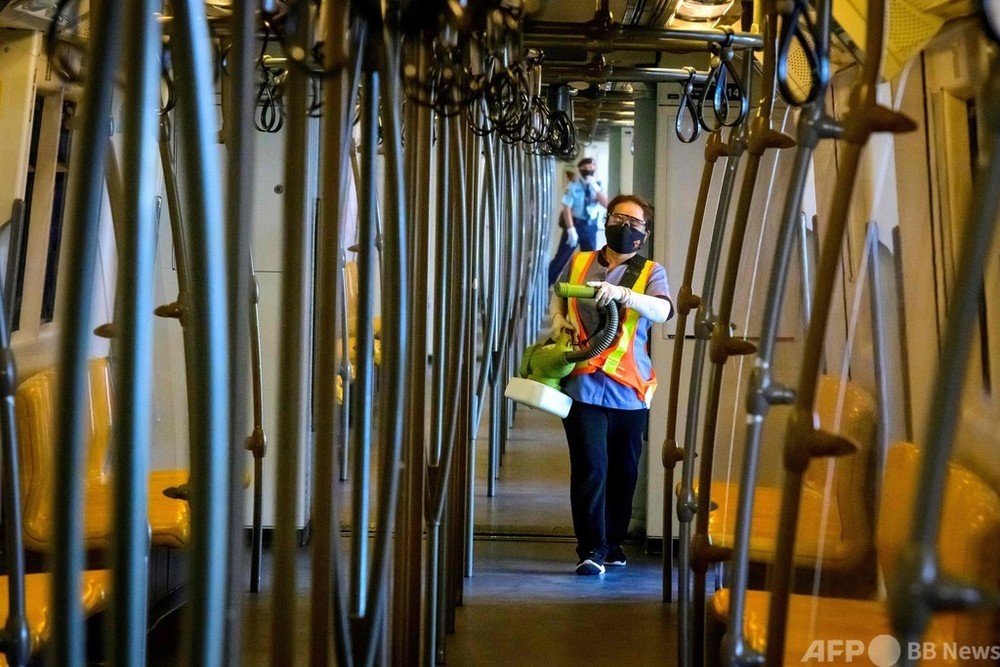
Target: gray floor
<point x="524" y="605"/>
<point x="533" y="489"/>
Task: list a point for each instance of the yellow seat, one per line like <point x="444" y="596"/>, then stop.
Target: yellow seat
<point x="969" y="545"/>
<point x="35" y="404"/>
<point x="847" y="535"/>
<point x="38" y="600"/>
<point x="351" y="290"/>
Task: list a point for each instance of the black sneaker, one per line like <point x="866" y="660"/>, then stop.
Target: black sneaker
<point x="591" y="565"/>
<point x="616" y="557"/>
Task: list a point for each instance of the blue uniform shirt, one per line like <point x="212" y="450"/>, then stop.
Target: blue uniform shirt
<point x="598" y="388"/>
<point x="581" y="199"/>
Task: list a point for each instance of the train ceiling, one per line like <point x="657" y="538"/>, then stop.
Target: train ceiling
<point x="912" y="24"/>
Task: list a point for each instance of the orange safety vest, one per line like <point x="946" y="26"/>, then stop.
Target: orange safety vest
<point x="618" y="361"/>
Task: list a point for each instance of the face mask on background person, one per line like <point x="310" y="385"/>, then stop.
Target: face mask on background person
<point x="623" y="239"/>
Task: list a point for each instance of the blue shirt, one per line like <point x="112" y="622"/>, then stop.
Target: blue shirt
<point x="582" y="200"/>
<point x="599" y="388"/>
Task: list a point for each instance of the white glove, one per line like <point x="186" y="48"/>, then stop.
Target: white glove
<point x="653" y="308"/>
<point x="561" y="325"/>
<point x="572" y="237"/>
<point x="606" y="292"/>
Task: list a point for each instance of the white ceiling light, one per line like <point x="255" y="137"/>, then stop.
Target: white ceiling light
<point x="698" y="14"/>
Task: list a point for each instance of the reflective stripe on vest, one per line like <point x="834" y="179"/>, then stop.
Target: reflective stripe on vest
<point x="618" y="361"/>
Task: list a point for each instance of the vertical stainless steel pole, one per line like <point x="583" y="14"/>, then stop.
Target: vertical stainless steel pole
<point x="921" y="587"/>
<point x="258" y="439"/>
<point x="134" y="344"/>
<point x="474" y="220"/>
<point x="82" y="232"/>
<point x="395" y="348"/>
<point x="761" y="137"/>
<point x="705" y="320"/>
<point x="803" y="440"/>
<point x="686" y="300"/>
<point x="293" y="336"/>
<point x="436" y="481"/>
<point x="239" y="172"/>
<point x="16" y="639"/>
<point x="208" y="309"/>
<point x="361" y="445"/>
<point x="331" y="422"/>
<point x="764" y="391"/>
<point x="407" y="608"/>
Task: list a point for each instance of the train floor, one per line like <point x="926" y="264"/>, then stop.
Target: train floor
<point x="524" y="604"/>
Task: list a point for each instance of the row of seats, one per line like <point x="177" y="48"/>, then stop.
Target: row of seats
<point x="846" y="538"/>
<point x="169" y="518"/>
<point x="968" y="544"/>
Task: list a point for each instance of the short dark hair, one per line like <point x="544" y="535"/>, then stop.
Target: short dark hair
<point x="647" y="208"/>
<point x="586" y="160"/>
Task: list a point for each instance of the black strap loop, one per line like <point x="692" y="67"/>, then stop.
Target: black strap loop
<point x="688" y="108"/>
<point x="813" y="47"/>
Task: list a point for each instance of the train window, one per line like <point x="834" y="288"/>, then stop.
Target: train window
<point x="22" y="238"/>
<point x="58" y="207"/>
<point x="984" y="330"/>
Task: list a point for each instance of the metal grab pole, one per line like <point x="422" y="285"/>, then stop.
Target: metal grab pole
<point x="167" y="162"/>
<point x="921" y="587"/>
<point x="82" y="231"/>
<point x="244" y="352"/>
<point x="362" y="435"/>
<point x="450" y="319"/>
<point x="458" y="391"/>
<point x="257" y="442"/>
<point x="497" y="317"/>
<point x="760" y="137"/>
<point x="134" y="341"/>
<point x="16" y="639"/>
<point x="670" y="453"/>
<point x="396" y="353"/>
<point x="803" y="440"/>
<point x="407" y="603"/>
<point x="763" y="391"/>
<point x="473" y="218"/>
<point x="209" y="397"/>
<point x="291" y="394"/>
<point x="338" y="105"/>
<point x="704" y="322"/>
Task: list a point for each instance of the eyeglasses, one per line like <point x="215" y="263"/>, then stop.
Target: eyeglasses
<point x="615" y="219"/>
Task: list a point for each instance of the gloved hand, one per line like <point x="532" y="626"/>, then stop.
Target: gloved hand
<point x="606" y="292"/>
<point x="572" y="237"/>
<point x="653" y="308"/>
<point x="561" y="325"/>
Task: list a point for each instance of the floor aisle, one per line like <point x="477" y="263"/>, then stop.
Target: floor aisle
<point x="524" y="605"/>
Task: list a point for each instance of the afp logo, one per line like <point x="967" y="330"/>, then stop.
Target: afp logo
<point x="882" y="651"/>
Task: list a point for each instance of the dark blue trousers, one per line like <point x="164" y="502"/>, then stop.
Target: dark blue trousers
<point x="604" y="448"/>
<point x="587" y="231"/>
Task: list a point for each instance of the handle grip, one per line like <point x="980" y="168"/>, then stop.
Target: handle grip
<point x="570" y="291"/>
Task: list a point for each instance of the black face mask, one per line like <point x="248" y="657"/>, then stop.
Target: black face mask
<point x="623" y="239"/>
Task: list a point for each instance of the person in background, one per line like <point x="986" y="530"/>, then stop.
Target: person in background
<point x="580" y="208"/>
<point x="611" y="393"/>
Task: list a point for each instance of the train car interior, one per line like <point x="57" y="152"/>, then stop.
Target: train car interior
<point x="500" y="332"/>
